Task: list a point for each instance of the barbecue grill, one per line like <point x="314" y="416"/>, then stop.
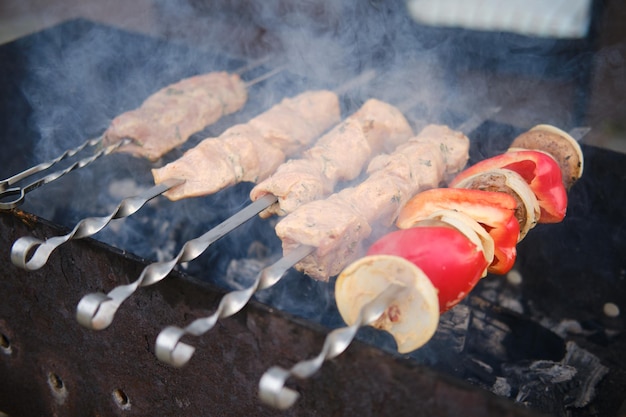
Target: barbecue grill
<point x="547" y="339"/>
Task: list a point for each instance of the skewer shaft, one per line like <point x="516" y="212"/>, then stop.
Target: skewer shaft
<point x="272" y="389"/>
<point x="21" y="192"/>
<point x="97" y="310"/>
<point x="40" y="250"/>
<point x="265" y="76"/>
<point x="361" y="79"/>
<point x="252" y="65"/>
<point x="170" y="349"/>
<point x="6" y="183"/>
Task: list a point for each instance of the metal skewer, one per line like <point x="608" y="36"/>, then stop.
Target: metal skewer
<point x="7" y="192"/>
<point x="272" y="389"/>
<point x="168" y="346"/>
<point x="171" y="350"/>
<point x="20" y="192"/>
<point x="97" y="310"/>
<point x="40" y="250"/>
<point x="253" y="64"/>
<point x="265" y="76"/>
<point x="5" y="184"/>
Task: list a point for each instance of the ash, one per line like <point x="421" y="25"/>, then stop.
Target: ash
<point x="241" y="273"/>
<point x="571" y="381"/>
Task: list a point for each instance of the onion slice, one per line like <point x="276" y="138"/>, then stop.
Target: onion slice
<point x="471" y="229"/>
<point x="411" y="319"/>
<point x="505" y="180"/>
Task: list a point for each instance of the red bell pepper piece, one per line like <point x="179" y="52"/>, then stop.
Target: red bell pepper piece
<point x="541" y="172"/>
<point x="493" y="210"/>
<point x="450" y="260"/>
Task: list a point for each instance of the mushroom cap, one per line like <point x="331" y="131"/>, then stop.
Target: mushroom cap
<point x="510" y="182"/>
<point x="558" y="143"/>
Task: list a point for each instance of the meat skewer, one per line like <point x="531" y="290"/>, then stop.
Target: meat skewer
<point x="178" y="110"/>
<point x="97" y="310"/>
<point x="169" y="348"/>
<point x="337" y="225"/>
<point x="422" y="286"/>
<point x="169" y="117"/>
<point x="251" y="152"/>
<point x="338" y="156"/>
<point x="32" y="253"/>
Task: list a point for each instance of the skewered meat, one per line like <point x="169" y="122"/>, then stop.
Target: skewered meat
<point x="170" y="116"/>
<point x="337" y="226"/>
<point x="250" y="152"/>
<point x="338" y="155"/>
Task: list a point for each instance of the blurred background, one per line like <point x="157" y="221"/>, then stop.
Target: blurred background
<point x="188" y="20"/>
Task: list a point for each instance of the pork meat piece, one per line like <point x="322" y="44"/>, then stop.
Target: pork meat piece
<point x="250" y="152"/>
<point x="171" y="115"/>
<point x="338" y="225"/>
<point x="337" y="156"/>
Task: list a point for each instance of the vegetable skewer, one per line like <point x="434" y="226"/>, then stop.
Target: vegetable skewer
<point x="433" y="247"/>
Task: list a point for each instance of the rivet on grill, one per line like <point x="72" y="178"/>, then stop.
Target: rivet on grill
<point x="121" y="399"/>
<point x="57" y="386"/>
<point x="5" y="344"/>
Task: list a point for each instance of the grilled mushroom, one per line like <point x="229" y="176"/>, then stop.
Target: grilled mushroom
<point x="562" y="146"/>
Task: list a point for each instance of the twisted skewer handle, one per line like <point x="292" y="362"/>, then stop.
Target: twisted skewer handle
<point x="272" y="389"/>
<point x="96" y="311"/>
<point x="171" y="350"/>
<point x="6" y="183"/>
<point x="19" y="193"/>
<point x="31" y="253"/>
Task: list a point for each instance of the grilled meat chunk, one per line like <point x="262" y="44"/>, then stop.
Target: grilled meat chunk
<point x="170" y="116"/>
<point x="339" y="155"/>
<point x="338" y="225"/>
<point x="250" y="152"/>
